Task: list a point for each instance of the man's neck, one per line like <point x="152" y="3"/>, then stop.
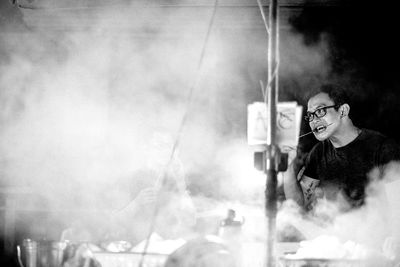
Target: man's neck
<point x="346" y="135"/>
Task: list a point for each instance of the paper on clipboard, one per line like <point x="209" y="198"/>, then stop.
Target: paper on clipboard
<point x="287" y="126"/>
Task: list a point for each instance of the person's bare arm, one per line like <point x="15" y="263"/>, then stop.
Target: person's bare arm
<point x="291" y="186"/>
<point x="143" y="201"/>
<point x="308" y="186"/>
<point x="297" y="186"/>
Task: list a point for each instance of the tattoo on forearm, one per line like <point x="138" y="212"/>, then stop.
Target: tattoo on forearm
<point x="309" y="192"/>
<point x="308" y="186"/>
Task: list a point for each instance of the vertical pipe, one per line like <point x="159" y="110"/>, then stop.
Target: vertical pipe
<point x="272" y="151"/>
<point x="272" y="71"/>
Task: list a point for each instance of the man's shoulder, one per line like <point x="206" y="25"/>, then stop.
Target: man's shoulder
<point x="387" y="147"/>
<point x="374" y="137"/>
<point x="368" y="133"/>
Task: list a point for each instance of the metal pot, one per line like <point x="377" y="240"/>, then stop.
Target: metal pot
<point x="27" y="254"/>
<point x="41" y="253"/>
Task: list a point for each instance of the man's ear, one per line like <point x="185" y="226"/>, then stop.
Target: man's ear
<point x="344" y="110"/>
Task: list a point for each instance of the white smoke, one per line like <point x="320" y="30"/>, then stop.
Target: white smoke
<point x="82" y="96"/>
<point x="370" y="227"/>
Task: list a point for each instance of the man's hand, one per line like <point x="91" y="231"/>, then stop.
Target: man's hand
<point x="146" y="197"/>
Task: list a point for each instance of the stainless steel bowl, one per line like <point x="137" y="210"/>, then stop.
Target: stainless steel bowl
<point x="314" y="262"/>
<point x="286" y="262"/>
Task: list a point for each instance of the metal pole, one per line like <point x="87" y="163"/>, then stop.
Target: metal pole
<point x="272" y="151"/>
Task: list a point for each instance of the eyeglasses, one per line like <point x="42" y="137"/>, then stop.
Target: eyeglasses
<point x="319" y="113"/>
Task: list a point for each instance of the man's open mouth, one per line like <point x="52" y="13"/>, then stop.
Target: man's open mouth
<point x="319" y="129"/>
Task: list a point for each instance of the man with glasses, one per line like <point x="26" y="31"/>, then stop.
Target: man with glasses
<point x="338" y="167"/>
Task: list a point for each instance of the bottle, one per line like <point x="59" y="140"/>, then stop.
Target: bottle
<point x="29" y="253"/>
<point x="230" y="230"/>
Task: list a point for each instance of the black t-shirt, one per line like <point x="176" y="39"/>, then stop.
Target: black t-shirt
<point x="345" y="170"/>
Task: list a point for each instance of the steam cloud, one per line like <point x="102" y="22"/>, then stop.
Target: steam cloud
<point x="372" y="228"/>
<point x="82" y="99"/>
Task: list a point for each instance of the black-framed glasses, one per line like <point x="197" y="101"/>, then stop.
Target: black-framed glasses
<point x="319" y="113"/>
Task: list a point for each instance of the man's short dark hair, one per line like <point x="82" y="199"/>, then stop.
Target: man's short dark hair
<point x="337" y="93"/>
